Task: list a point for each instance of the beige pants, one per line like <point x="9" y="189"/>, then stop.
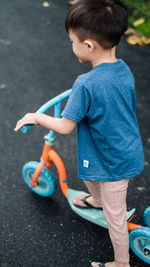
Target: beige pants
<point x="113" y="197"/>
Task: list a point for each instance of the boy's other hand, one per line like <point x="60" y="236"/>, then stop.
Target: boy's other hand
<point x="29" y="118"/>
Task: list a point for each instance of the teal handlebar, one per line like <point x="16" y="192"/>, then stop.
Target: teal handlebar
<point x="56" y="101"/>
<point x="26" y="128"/>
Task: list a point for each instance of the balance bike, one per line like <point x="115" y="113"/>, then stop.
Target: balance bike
<point x="40" y="179"/>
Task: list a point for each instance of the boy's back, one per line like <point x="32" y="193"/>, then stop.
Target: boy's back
<point x="104" y="106"/>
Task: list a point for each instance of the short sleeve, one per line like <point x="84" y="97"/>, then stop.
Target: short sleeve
<point x="78" y="102"/>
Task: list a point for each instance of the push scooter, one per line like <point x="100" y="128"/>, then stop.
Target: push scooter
<point x="40" y="179"/>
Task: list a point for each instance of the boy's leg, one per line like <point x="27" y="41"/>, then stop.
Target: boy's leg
<point x="95" y="194"/>
<point x="114" y="206"/>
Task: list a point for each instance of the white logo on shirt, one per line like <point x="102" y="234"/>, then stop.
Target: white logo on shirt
<point x="85" y="163"/>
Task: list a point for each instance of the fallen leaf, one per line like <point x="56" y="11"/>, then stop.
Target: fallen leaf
<point x="48" y="21"/>
<point x="145" y="40"/>
<point x="131" y="31"/>
<point x="46" y="4"/>
<point x="144" y="7"/>
<point x="138" y="22"/>
<point x="6" y="42"/>
<point x="133" y="40"/>
<point x="2" y="86"/>
<point x="140" y="188"/>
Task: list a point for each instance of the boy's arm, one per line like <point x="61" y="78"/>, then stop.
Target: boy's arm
<point x="59" y="125"/>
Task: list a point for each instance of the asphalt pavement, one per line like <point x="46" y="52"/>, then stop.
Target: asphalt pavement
<point x="37" y="64"/>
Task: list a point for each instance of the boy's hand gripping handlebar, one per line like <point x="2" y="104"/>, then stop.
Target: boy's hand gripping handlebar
<point x="56" y="101"/>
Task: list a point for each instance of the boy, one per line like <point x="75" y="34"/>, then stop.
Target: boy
<point x="102" y="105"/>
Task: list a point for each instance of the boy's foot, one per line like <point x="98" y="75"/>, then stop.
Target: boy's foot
<point x="110" y="264"/>
<point x="86" y="201"/>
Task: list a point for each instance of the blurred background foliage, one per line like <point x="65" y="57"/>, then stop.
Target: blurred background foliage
<point x="139" y="21"/>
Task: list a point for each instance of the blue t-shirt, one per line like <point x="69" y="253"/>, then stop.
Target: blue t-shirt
<point x="103" y="104"/>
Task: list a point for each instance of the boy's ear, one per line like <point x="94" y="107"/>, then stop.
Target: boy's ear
<point x="89" y="44"/>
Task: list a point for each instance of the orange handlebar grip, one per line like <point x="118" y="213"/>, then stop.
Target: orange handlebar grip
<point x="61" y="170"/>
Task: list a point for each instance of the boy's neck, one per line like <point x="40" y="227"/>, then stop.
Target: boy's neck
<point x="103" y="56"/>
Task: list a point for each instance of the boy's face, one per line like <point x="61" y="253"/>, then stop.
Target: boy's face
<point x="80" y="48"/>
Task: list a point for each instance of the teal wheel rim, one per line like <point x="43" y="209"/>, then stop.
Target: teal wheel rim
<point x="46" y="180"/>
<point x="140" y="241"/>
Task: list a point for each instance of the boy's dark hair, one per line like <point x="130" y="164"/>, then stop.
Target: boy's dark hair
<point x="102" y="20"/>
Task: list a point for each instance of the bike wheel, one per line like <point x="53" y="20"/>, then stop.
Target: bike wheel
<point x="140" y="243"/>
<point x="147" y="216"/>
<point x="46" y="180"/>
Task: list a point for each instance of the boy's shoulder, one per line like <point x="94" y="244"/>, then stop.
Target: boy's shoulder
<point x="85" y="76"/>
<point x="104" y="76"/>
<point x="105" y="71"/>
<point x="88" y="77"/>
